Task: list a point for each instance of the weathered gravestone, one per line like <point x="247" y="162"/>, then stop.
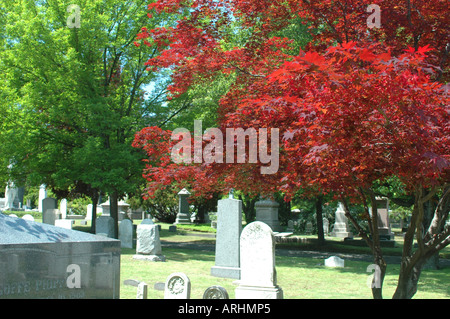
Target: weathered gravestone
<point x="334" y="261"/>
<point x="142" y="290"/>
<point x="215" y="292"/>
<point x="229" y="226"/>
<point x="126" y="233"/>
<point x="384" y="227"/>
<point x="309" y="228"/>
<point x="147" y="221"/>
<point x="148" y="244"/>
<point x="177" y="286"/>
<point x="38" y="261"/>
<point x="290" y="225"/>
<point x="104" y="225"/>
<point x="258" y="273"/>
<point x="183" y="216"/>
<point x="49" y="216"/>
<point x="267" y="212"/>
<point x="341" y="228"/>
<point x="48" y="203"/>
<point x="326" y="226"/>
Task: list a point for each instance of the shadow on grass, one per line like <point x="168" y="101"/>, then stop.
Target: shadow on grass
<point x="179" y="254"/>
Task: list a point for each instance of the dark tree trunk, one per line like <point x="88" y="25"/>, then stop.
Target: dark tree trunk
<point x="319" y="221"/>
<point x="114" y="212"/>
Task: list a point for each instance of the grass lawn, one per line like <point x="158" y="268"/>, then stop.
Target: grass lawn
<point x="299" y="277"/>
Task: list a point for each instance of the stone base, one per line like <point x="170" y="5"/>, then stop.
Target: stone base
<point x="252" y="292"/>
<point x="341" y="234"/>
<point x="182" y="219"/>
<point x="226" y="272"/>
<point x="150" y="257"/>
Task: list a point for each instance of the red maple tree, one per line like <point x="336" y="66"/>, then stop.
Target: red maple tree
<point x="355" y="106"/>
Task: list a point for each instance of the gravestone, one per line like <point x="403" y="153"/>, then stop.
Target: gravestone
<point x="105" y="225"/>
<point x="267" y="212"/>
<point x="40" y="261"/>
<point x="11" y="196"/>
<point x="173" y="229"/>
<point x="142" y="289"/>
<point x="64" y="223"/>
<point x="42" y="196"/>
<point x="28" y="217"/>
<point x="341" y="229"/>
<point x="89" y="212"/>
<point x="258" y="273"/>
<point x="49" y="216"/>
<point x="215" y="292"/>
<point x="309" y="228"/>
<point x="326" y="226"/>
<point x="126" y="233"/>
<point x="48" y="203"/>
<point x="384" y="227"/>
<point x="177" y="286"/>
<point x="63" y="208"/>
<point x="183" y="216"/>
<point x="290" y="225"/>
<point x="229" y="226"/>
<point x="147" y="221"/>
<point x="148" y="244"/>
<point x="334" y="261"/>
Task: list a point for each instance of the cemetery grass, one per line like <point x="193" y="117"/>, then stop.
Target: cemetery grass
<point x="299" y="277"/>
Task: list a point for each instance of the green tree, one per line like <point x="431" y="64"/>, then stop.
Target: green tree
<point x="73" y="98"/>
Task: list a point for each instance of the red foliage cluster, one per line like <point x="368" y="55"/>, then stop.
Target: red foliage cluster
<point x="358" y="106"/>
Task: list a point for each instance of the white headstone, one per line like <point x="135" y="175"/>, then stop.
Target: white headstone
<point x="28" y="217"/>
<point x="63" y="208"/>
<point x="341" y="228"/>
<point x="142" y="291"/>
<point x="334" y="261"/>
<point x="257" y="260"/>
<point x="64" y="223"/>
<point x="126" y="233"/>
<point x="89" y="212"/>
<point x="148" y="244"/>
<point x="42" y="195"/>
<point x="178" y="286"/>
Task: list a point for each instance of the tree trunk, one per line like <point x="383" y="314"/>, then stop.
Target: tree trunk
<point x="408" y="279"/>
<point x="319" y="221"/>
<point x="114" y="212"/>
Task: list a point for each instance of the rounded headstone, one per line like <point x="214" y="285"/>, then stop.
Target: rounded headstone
<point x="215" y="292"/>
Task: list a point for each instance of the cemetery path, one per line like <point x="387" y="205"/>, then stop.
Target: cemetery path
<point x="299" y="253"/>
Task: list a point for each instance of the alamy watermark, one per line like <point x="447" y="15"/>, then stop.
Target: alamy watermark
<point x="374" y="20"/>
<point x="235" y="138"/>
<point x="374" y="280"/>
<point x="74" y="19"/>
